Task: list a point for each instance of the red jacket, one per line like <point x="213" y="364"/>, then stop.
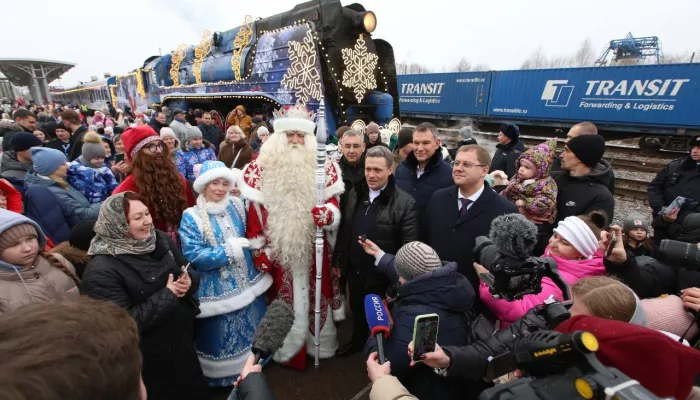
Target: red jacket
<point x="13" y="196"/>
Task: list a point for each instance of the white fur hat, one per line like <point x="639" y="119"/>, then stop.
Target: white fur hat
<point x="168" y="132"/>
<point x="210" y="171"/>
<point x="294" y="118"/>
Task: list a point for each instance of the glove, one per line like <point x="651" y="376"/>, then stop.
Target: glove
<point x="323" y="216"/>
<point x="243" y="242"/>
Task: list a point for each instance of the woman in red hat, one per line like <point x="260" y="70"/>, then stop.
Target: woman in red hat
<point x="155" y="178"/>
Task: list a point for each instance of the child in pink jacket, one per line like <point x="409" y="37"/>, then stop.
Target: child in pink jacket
<point x="574" y="246"/>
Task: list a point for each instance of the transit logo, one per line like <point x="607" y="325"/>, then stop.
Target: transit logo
<point x="557" y="93"/>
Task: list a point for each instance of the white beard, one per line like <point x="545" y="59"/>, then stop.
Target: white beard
<point x="288" y="185"/>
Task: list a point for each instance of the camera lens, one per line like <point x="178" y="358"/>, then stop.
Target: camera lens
<point x="685" y="255"/>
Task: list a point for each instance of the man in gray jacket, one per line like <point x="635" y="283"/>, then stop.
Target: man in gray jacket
<point x="179" y="125"/>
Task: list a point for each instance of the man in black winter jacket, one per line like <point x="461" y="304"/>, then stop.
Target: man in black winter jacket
<point x="352" y="163"/>
<point x="210" y="131"/>
<point x="582" y="188"/>
<point x="157" y="122"/>
<point x="580" y="129"/>
<point x="680" y="178"/>
<point x="424" y="171"/>
<point x="508" y="150"/>
<point x="383" y="213"/>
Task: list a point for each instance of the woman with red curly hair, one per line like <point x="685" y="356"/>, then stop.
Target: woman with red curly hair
<point x="154" y="177"/>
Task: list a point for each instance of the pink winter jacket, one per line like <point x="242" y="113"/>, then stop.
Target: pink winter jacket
<point x="571" y="270"/>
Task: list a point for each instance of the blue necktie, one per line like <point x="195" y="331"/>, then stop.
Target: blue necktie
<point x="465" y="203"/>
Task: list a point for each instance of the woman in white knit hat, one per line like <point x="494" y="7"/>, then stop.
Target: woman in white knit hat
<point x="231" y="287"/>
<point x="167" y="135"/>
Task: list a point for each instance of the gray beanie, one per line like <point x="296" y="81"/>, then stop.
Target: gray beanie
<point x="193" y="133"/>
<point x="466" y="132"/>
<point x="414" y="259"/>
<point x="633" y="221"/>
<point x="93" y="147"/>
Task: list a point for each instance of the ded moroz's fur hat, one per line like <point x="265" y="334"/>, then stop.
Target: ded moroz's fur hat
<point x="294" y="118"/>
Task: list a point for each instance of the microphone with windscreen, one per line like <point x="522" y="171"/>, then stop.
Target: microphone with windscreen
<point x="273" y="328"/>
<point x="379" y="321"/>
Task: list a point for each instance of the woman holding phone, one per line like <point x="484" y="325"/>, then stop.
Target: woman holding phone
<point x="141" y="269"/>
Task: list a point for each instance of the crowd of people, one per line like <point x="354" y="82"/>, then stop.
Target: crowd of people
<point x="161" y="236"/>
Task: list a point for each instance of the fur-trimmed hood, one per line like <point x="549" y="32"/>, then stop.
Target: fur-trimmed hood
<point x="72" y="254"/>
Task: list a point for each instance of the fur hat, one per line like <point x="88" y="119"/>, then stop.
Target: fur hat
<point x="294" y="118"/>
<point x="466" y="132"/>
<point x="414" y="259"/>
<point x="47" y="160"/>
<point x="92" y="146"/>
<point x="695" y="141"/>
<point x="588" y="148"/>
<point x="633" y="221"/>
<point x="511" y="131"/>
<point x="137" y="137"/>
<point x="210" y="171"/>
<point x="513" y="234"/>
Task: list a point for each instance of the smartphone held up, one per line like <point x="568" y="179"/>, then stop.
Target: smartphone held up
<point x="425" y="330"/>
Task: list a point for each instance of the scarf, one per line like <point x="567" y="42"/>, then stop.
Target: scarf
<point x="112" y="231"/>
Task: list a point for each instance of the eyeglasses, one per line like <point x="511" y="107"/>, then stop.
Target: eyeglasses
<point x="466" y="164"/>
<point x="153" y="147"/>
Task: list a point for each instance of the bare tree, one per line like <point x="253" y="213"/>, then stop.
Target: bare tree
<point x="481" y="67"/>
<point x="463" y="66"/>
<point x="560" y="62"/>
<point x="415" y="68"/>
<point x="584" y="55"/>
<point x="537" y="60"/>
<point x="677" y="58"/>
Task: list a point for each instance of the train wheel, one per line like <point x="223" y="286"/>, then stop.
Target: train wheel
<point x="649" y="144"/>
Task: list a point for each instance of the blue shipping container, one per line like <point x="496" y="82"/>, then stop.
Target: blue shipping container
<point x="651" y="95"/>
<point x="460" y="93"/>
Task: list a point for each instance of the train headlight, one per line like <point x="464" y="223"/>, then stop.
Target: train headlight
<point x="369" y="21"/>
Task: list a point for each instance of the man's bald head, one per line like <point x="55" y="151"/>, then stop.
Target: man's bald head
<point x="580" y="129"/>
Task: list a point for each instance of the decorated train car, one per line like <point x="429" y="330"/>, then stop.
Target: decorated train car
<point x="95" y="95"/>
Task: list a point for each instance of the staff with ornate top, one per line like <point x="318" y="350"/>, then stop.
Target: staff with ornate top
<point x="320" y="201"/>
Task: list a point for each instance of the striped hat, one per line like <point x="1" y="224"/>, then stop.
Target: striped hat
<point x="414" y="259"/>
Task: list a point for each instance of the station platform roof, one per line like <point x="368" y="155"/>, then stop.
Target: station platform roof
<point x="19" y="70"/>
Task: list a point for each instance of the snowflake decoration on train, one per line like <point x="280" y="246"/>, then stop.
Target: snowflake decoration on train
<point x="265" y="55"/>
<point x="359" y="69"/>
<point x="302" y="74"/>
<point x="284" y="96"/>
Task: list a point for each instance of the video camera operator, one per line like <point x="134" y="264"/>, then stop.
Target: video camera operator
<point x="676" y="272"/>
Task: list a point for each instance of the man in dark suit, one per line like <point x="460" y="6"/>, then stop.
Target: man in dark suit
<point x="456" y="215"/>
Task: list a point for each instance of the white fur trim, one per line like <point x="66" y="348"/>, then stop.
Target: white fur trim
<point x="223" y="368"/>
<point x="215" y="173"/>
<point x="237" y="176"/>
<point x="329" y="339"/>
<point x="216" y="207"/>
<point x="257" y="242"/>
<point x="300" y="328"/>
<point x="339" y="314"/>
<point x="282" y="125"/>
<point x="336" y="217"/>
<point x="337" y="188"/>
<point x="237" y="302"/>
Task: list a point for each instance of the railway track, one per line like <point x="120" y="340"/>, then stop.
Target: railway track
<point x="632" y="189"/>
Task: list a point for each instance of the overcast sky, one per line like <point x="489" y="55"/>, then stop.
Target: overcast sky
<point x="117" y="37"/>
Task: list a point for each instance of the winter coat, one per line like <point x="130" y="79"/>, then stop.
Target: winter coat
<point x="255" y="387"/>
<point x="505" y="157"/>
<point x="649" y="277"/>
<point x="229" y="151"/>
<point x="353" y="175"/>
<point x="570" y="270"/>
<point x="180" y="129"/>
<point x="686" y="227"/>
<point x="396" y="223"/>
<point x="680" y="178"/>
<point x="76" y="143"/>
<point x="96" y="184"/>
<point x="453" y="237"/>
<point x="379" y="142"/>
<point x="389" y="388"/>
<point x="579" y="195"/>
<point x="7" y="130"/>
<point x="58" y="144"/>
<point x="166" y="323"/>
<point x="153" y="123"/>
<point x="13" y="170"/>
<point x="75" y="256"/>
<point x="608" y="178"/>
<point x="437" y="175"/>
<point x="211" y="133"/>
<point x="12" y="196"/>
<point x="43" y="283"/>
<point x="540" y="192"/>
<point x="188" y="157"/>
<point x="447" y="293"/>
<point x="245" y="122"/>
<point x="57" y="210"/>
<point x="465" y="142"/>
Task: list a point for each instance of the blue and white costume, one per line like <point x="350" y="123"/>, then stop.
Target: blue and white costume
<point x="231" y="287"/>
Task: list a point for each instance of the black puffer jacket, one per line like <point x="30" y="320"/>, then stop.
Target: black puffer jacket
<point x="505" y="157"/>
<point x="137" y="283"/>
<point x="397" y="221"/>
<point x="680" y="178"/>
<point x="437" y="175"/>
<point x="556" y="170"/>
<point x="579" y="195"/>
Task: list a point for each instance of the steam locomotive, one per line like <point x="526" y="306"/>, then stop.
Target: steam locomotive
<point x="318" y="50"/>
